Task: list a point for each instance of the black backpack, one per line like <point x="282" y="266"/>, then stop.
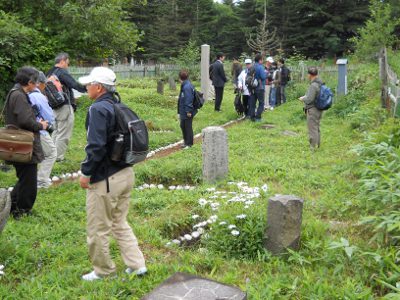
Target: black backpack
<point x="239" y="107"/>
<point x="130" y="137"/>
<point x="54" y="92"/>
<point x="251" y="81"/>
<point x="198" y="99"/>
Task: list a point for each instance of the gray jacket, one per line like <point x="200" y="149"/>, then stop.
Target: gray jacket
<point x="312" y="93"/>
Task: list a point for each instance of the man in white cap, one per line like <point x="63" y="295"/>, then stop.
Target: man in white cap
<point x="243" y="87"/>
<point x="109" y="184"/>
<point x="268" y="68"/>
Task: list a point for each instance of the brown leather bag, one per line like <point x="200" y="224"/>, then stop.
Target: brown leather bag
<point x="16" y="145"/>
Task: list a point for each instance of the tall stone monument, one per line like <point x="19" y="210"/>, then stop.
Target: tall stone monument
<point x="160" y="87"/>
<point x="215" y="153"/>
<point x="284" y="218"/>
<point x="172" y="83"/>
<point x="205" y="65"/>
<point x="5" y="206"/>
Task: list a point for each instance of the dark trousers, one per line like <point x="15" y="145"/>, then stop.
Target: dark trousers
<point x="245" y="99"/>
<point x="219" y="93"/>
<point x="23" y="195"/>
<point x="283" y="93"/>
<point x="258" y="95"/>
<point x="187" y="131"/>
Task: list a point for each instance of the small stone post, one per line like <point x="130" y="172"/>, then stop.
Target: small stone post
<point x="5" y="206"/>
<point x="342" y="76"/>
<point x="160" y="87"/>
<point x="205" y="76"/>
<point x="284" y="218"/>
<point x="215" y="153"/>
<point x="172" y="83"/>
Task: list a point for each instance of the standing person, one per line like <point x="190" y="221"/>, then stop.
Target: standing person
<point x="64" y="115"/>
<point x="243" y="87"/>
<point x="43" y="111"/>
<point x="268" y="82"/>
<point x="235" y="72"/>
<point x="109" y="184"/>
<point x="217" y="75"/>
<point x="314" y="115"/>
<point x="19" y="112"/>
<point x="284" y="79"/>
<point x="274" y="86"/>
<point x="259" y="93"/>
<point x="186" y="110"/>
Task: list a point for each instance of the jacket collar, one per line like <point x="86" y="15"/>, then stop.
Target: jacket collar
<point x="105" y="97"/>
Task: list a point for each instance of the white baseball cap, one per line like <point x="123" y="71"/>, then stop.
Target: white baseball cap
<point x="270" y="59"/>
<point x="100" y="75"/>
<point x="248" y="61"/>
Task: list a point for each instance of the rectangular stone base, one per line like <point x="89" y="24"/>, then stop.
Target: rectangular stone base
<point x="181" y="286"/>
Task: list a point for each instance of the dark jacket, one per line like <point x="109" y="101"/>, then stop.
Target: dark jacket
<point x="185" y="100"/>
<point x="68" y="82"/>
<point x="312" y="93"/>
<point x="217" y="74"/>
<point x="100" y="124"/>
<point x="19" y="112"/>
<point x="285" y="75"/>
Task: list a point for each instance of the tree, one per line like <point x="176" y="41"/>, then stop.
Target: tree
<point x="264" y="40"/>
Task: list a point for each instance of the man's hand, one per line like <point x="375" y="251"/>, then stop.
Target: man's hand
<point x="45" y="124"/>
<point x="189" y="115"/>
<point x="302" y="98"/>
<point x="84" y="182"/>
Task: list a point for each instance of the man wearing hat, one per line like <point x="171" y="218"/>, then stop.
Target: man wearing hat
<point x="43" y="111"/>
<point x="109" y="184"/>
<point x="243" y="87"/>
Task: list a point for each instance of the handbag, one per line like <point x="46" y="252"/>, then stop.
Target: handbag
<point x="16" y="145"/>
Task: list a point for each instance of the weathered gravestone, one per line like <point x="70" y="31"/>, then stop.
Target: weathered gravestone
<point x="5" y="206"/>
<point x="160" y="87"/>
<point x="215" y="153"/>
<point x="183" y="286"/>
<point x="172" y="83"/>
<point x="283" y="223"/>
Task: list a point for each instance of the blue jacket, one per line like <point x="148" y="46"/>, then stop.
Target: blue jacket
<point x="260" y="75"/>
<point x="100" y="124"/>
<point x="44" y="109"/>
<point x="185" y="100"/>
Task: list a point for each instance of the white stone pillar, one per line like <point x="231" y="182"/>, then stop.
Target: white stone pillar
<point x="205" y="64"/>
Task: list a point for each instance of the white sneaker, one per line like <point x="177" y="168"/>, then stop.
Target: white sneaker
<point x="91" y="276"/>
<point x="139" y="272"/>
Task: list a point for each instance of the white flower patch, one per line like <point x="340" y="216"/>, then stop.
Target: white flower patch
<point x="194" y="217"/>
<point x="213" y="218"/>
<point x="55" y="178"/>
<point x="246" y="206"/>
<point x="235" y="232"/>
<point x="177" y="242"/>
<point x="79" y="172"/>
<point x="1" y="270"/>
<point x="168" y="244"/>
<point x="241" y="217"/>
<point x="210" y="189"/>
<point x="214" y="205"/>
<point x="160" y="186"/>
<point x="153" y="186"/>
<point x="232" y="226"/>
<point x="146" y="186"/>
<point x="172" y="187"/>
<point x="195" y="234"/>
<point x="231" y="183"/>
<point x="203" y="201"/>
<point x="140" y="188"/>
<point x="213" y="197"/>
<point x="200" y="230"/>
<point x="201" y="224"/>
<point x="249" y="202"/>
<point x="179" y="187"/>
<point x="264" y="188"/>
<point x="75" y="175"/>
<point x="222" y="223"/>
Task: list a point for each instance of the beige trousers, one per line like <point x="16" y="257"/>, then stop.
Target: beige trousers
<point x="106" y="215"/>
<point x="313" y="122"/>
<point x="63" y="129"/>
<point x="50" y="155"/>
<point x="267" y="93"/>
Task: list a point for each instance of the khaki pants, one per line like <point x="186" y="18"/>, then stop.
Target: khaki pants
<point x="64" y="123"/>
<point x="50" y="155"/>
<point x="266" y="97"/>
<point x="106" y="215"/>
<point x="313" y="122"/>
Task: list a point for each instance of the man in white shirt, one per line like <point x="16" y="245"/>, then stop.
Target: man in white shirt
<point x="243" y="87"/>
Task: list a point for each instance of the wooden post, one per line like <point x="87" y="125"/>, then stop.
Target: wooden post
<point x="384" y="77"/>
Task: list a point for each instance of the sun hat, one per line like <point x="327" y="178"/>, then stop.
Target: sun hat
<point x="270" y="59"/>
<point x="248" y="61"/>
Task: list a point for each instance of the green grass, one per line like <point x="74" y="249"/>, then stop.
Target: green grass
<point x="46" y="254"/>
<point x="394" y="61"/>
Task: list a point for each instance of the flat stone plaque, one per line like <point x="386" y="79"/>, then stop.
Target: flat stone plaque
<point x="181" y="286"/>
<point x="5" y="205"/>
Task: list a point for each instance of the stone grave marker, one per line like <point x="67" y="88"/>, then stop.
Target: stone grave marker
<point x="181" y="286"/>
<point x="284" y="218"/>
<point x="172" y="83"/>
<point x="160" y="87"/>
<point x="215" y="153"/>
<point x="268" y="126"/>
<point x="289" y="133"/>
<point x="5" y="206"/>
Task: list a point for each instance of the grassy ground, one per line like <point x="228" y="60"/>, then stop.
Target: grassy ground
<point x="45" y="254"/>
